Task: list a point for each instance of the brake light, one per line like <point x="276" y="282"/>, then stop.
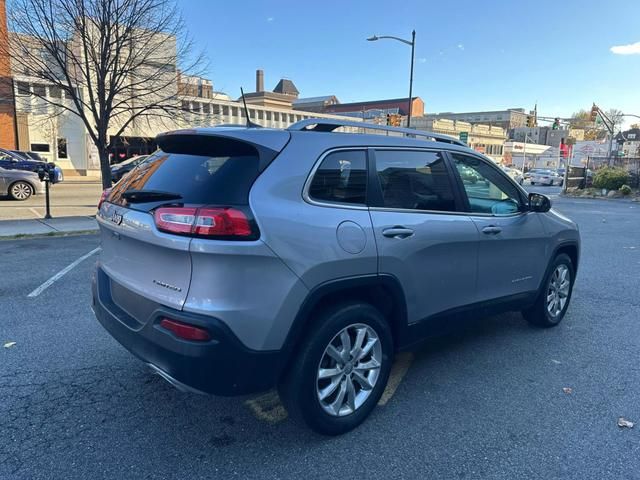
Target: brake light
<point x="103" y="197"/>
<point x="185" y="330"/>
<point x="223" y="222"/>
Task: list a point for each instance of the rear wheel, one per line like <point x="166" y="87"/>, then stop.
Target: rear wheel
<point x="553" y="300"/>
<point x="339" y="374"/>
<point x="20" y="190"/>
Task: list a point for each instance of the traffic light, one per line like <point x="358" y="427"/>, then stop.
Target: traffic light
<point x="531" y="121"/>
<point x="556" y="124"/>
<point x="594" y="113"/>
<point x="388" y="119"/>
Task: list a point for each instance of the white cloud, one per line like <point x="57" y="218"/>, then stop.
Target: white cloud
<point x="460" y="46"/>
<point x="270" y="19"/>
<point x="630" y="49"/>
<point x="422" y="60"/>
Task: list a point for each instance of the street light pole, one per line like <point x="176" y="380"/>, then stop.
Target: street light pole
<point x="413" y="46"/>
<point x="412" y="43"/>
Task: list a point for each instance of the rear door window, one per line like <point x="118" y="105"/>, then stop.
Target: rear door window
<point x="414" y="180"/>
<point x="341" y="178"/>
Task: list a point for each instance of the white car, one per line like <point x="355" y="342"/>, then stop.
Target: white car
<point x="514" y="173"/>
<point x="546" y="177"/>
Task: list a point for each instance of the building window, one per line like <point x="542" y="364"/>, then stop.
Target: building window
<point x="40" y="147"/>
<point x="195" y="106"/>
<point x="276" y="116"/>
<point x="260" y="115"/>
<point x="186" y="106"/>
<point x="55" y="92"/>
<point x="23" y="88"/>
<point x="291" y="118"/>
<point x="206" y="107"/>
<point x="39" y="90"/>
<point x="268" y="115"/>
<point x="62" y="148"/>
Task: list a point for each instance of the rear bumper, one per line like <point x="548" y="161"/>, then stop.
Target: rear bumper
<point x="221" y="366"/>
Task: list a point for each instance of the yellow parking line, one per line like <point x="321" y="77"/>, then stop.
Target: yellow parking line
<point x="268" y="408"/>
<point x="398" y="371"/>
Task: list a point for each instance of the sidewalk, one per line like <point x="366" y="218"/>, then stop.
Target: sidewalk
<point x="54" y="226"/>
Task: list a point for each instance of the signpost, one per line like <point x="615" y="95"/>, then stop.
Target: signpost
<point x="464" y="137"/>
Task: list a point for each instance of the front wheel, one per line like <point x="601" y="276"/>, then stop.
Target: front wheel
<point x="20" y="191"/>
<point x="341" y="370"/>
<point x="553" y="300"/>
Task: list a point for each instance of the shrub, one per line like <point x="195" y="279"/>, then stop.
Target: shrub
<point x="610" y="178"/>
<point x="625" y="190"/>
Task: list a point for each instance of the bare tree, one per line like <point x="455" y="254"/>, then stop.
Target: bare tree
<point x="118" y="62"/>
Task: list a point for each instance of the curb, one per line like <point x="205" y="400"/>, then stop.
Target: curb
<point x="28" y="236"/>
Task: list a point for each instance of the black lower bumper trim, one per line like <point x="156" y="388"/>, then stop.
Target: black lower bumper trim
<point x="221" y="366"/>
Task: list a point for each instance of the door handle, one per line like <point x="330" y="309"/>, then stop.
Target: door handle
<point x="491" y="230"/>
<point x="397" y="232"/>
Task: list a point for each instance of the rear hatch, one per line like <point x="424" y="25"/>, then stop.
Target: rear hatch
<point x="196" y="186"/>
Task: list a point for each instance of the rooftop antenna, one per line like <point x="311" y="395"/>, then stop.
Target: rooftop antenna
<point x="250" y="124"/>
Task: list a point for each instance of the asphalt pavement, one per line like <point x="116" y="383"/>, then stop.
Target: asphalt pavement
<point x="485" y="402"/>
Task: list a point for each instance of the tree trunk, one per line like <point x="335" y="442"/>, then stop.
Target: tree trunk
<point x="105" y="168"/>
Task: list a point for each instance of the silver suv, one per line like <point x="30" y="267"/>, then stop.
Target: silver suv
<point x="239" y="259"/>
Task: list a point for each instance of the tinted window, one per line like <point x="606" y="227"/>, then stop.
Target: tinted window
<point x="341" y="177"/>
<point x="414" y="180"/>
<point x="488" y="191"/>
<point x="199" y="179"/>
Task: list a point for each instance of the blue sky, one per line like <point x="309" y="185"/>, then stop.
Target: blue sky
<point x="470" y="55"/>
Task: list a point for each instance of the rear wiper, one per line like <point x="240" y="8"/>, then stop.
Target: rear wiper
<point x="139" y="196"/>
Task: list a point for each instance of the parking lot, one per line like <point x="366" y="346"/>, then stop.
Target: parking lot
<point x="496" y="399"/>
<point x="72" y="197"/>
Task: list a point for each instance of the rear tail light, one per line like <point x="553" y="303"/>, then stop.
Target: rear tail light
<point x="185" y="330"/>
<point x="103" y="197"/>
<point x="214" y="222"/>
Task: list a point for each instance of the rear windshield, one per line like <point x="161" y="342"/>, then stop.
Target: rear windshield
<point x="198" y="179"/>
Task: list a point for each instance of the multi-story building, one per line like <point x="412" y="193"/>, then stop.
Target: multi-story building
<point x="628" y="143"/>
<point x="378" y="108"/>
<point x="315" y="104"/>
<point x="487" y="139"/>
<point x="507" y="119"/>
<point x="547" y="135"/>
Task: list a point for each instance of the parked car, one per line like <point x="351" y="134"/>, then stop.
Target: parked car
<point x="13" y="160"/>
<point x="119" y="169"/>
<point x="529" y="173"/>
<point x="514" y="173"/>
<point x="240" y="259"/>
<point x="29" y="155"/>
<point x="546" y="177"/>
<point x="19" y="184"/>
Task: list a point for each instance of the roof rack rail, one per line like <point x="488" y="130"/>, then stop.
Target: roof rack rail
<point x="329" y="125"/>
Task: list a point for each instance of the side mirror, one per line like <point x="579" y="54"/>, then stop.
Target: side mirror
<point x="539" y="203"/>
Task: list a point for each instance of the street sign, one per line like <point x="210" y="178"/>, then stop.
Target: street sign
<point x="464" y="137"/>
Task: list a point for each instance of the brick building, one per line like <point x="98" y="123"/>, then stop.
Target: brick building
<point x="7" y="105"/>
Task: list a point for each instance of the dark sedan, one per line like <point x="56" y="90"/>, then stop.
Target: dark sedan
<point x="21" y="161"/>
<point x="19" y="184"/>
<point x="120" y="169"/>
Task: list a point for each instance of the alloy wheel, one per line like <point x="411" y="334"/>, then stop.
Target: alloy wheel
<point x="21" y="191"/>
<point x="349" y="369"/>
<point x="558" y="291"/>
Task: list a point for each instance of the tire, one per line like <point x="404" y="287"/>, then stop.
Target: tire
<point x="549" y="312"/>
<point x="20" y="190"/>
<point x="339" y="411"/>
